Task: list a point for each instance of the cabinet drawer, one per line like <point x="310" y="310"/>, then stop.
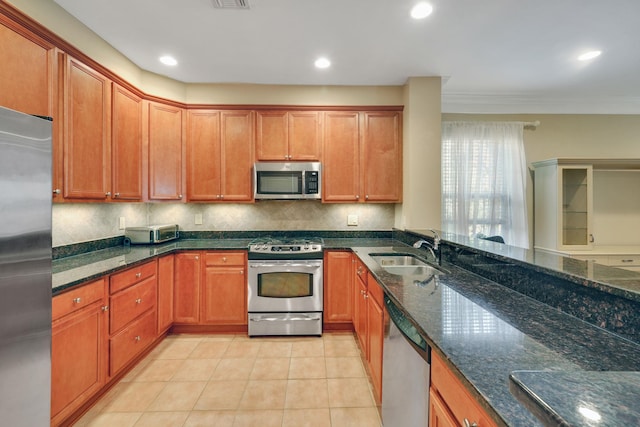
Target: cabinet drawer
<point x="131" y="276"/>
<point x="225" y="258"/>
<point x="461" y="404"/>
<point x="77" y="298"/>
<point x="131" y="341"/>
<point x="361" y="271"/>
<point x="375" y="290"/>
<point x="624" y="260"/>
<point x="131" y="303"/>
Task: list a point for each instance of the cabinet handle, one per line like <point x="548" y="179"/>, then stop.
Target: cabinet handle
<point x="467" y="424"/>
<point x="56" y="191"/>
<point x="366" y="197"/>
<point x="197" y="257"/>
<point x="179" y="196"/>
<point x="137" y="338"/>
<point x="138" y="275"/>
<point x="105" y="308"/>
<point x="77" y="300"/>
<point x="139" y="300"/>
<point x="242" y="271"/>
<point x="626" y="260"/>
<point x="357" y="197"/>
<point x="116" y="195"/>
<point x="108" y="194"/>
<point x="224" y="259"/>
<point x="365" y="295"/>
<point x="591" y="239"/>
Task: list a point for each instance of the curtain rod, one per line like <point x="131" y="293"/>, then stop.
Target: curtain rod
<point x="530" y="125"/>
<point x="533" y="125"/>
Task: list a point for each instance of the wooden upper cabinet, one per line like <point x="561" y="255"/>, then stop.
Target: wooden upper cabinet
<point x="219" y="155"/>
<point x="27" y="70"/>
<point x="382" y="156"/>
<point x="126" y="148"/>
<point x="203" y="155"/>
<point x="237" y="137"/>
<point x="341" y="157"/>
<point x="87" y="132"/>
<point x="165" y="152"/>
<point x="288" y="135"/>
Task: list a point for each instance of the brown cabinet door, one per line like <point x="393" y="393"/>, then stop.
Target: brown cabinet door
<point x="360" y="315"/>
<point x="225" y="296"/>
<point x="186" y="294"/>
<point x="376" y="326"/>
<point x="237" y="133"/>
<point x="165" y="152"/>
<point x="87" y="129"/>
<point x="304" y="135"/>
<point x="439" y="415"/>
<point x="203" y="155"/>
<point x="26" y="70"/>
<point x="78" y="359"/>
<point x="382" y="156"/>
<point x="126" y="145"/>
<point x="340" y="148"/>
<point x="166" y="273"/>
<point x="272" y="135"/>
<point x="338" y="287"/>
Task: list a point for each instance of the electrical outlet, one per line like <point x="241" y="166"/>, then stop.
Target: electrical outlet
<point x="121" y="223"/>
<point x="352" y="219"/>
<point x="198" y="219"/>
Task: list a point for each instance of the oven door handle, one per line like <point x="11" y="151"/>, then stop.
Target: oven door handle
<point x="276" y="319"/>
<point x="252" y="265"/>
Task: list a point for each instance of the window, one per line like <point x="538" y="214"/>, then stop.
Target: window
<point x="484" y="180"/>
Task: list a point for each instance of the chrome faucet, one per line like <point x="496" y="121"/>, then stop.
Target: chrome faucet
<point x="432" y="247"/>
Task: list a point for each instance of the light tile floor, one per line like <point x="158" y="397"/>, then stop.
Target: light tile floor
<point x="234" y="380"/>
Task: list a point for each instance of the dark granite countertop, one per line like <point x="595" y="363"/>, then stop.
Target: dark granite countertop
<point x="580" y="398"/>
<point x="484" y="331"/>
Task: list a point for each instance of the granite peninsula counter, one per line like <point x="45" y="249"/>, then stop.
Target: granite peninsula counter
<point x="484" y="331"/>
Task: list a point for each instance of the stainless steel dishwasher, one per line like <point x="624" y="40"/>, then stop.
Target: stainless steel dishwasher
<point x="405" y="373"/>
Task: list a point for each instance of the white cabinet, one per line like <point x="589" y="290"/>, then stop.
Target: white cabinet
<point x="563" y="200"/>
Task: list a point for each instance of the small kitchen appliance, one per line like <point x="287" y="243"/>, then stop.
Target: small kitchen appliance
<point x="150" y="234"/>
<point x="285" y="286"/>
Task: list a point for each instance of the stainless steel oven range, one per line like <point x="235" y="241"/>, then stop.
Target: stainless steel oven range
<point x="285" y="287"/>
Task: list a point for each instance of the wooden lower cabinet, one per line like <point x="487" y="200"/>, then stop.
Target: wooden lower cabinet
<point x="78" y="348"/>
<point x="338" y="290"/>
<point x="224" y="292"/>
<point x="186" y="298"/>
<point x="166" y="272"/>
<point x="450" y="402"/>
<point x="370" y="323"/>
<point x="131" y="341"/>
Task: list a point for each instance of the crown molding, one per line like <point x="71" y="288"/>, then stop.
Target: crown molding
<point x="494" y="103"/>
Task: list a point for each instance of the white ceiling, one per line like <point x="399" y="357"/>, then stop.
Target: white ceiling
<point x="494" y="55"/>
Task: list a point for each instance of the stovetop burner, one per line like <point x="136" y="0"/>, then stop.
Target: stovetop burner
<point x="289" y="248"/>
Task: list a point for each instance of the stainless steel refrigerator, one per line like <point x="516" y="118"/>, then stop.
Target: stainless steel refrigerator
<point x="25" y="269"/>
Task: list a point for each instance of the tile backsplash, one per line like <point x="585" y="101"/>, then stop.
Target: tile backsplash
<point x="82" y="222"/>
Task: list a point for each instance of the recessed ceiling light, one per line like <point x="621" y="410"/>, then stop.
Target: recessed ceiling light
<point x="421" y="10"/>
<point x="322" y="63"/>
<point x="168" y="60"/>
<point x="589" y="55"/>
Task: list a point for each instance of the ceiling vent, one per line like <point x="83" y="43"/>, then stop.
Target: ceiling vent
<point x="231" y="4"/>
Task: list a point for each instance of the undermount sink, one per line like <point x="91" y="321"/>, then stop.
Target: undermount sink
<point x="404" y="265"/>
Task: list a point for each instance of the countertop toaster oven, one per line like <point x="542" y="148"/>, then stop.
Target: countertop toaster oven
<point x="151" y="234"/>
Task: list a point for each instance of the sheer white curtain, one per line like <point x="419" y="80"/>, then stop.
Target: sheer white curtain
<point x="484" y="177"/>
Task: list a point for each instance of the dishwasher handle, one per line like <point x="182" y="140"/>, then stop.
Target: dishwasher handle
<point x="407" y="329"/>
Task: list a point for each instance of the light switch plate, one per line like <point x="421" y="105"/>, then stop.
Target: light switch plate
<point x="198" y="219"/>
<point x="352" y="219"/>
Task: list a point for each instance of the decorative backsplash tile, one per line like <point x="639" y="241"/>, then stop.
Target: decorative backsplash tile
<point x="83" y="222"/>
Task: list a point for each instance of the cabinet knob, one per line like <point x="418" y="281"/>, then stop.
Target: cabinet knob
<point x="366" y="197"/>
<point x="139" y="301"/>
<point x="224" y="259"/>
<point x="138" y="275"/>
<point x="241" y="271"/>
<point x="591" y="239"/>
<point x="467" y="424"/>
<point x="137" y="338"/>
<point x="108" y="194"/>
<point x="105" y="308"/>
<point x="56" y="191"/>
<point x="77" y="300"/>
<point x="357" y="197"/>
<point x="116" y="195"/>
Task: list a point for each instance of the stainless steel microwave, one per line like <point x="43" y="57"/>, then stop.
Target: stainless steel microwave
<point x="151" y="234"/>
<point x="287" y="180"/>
